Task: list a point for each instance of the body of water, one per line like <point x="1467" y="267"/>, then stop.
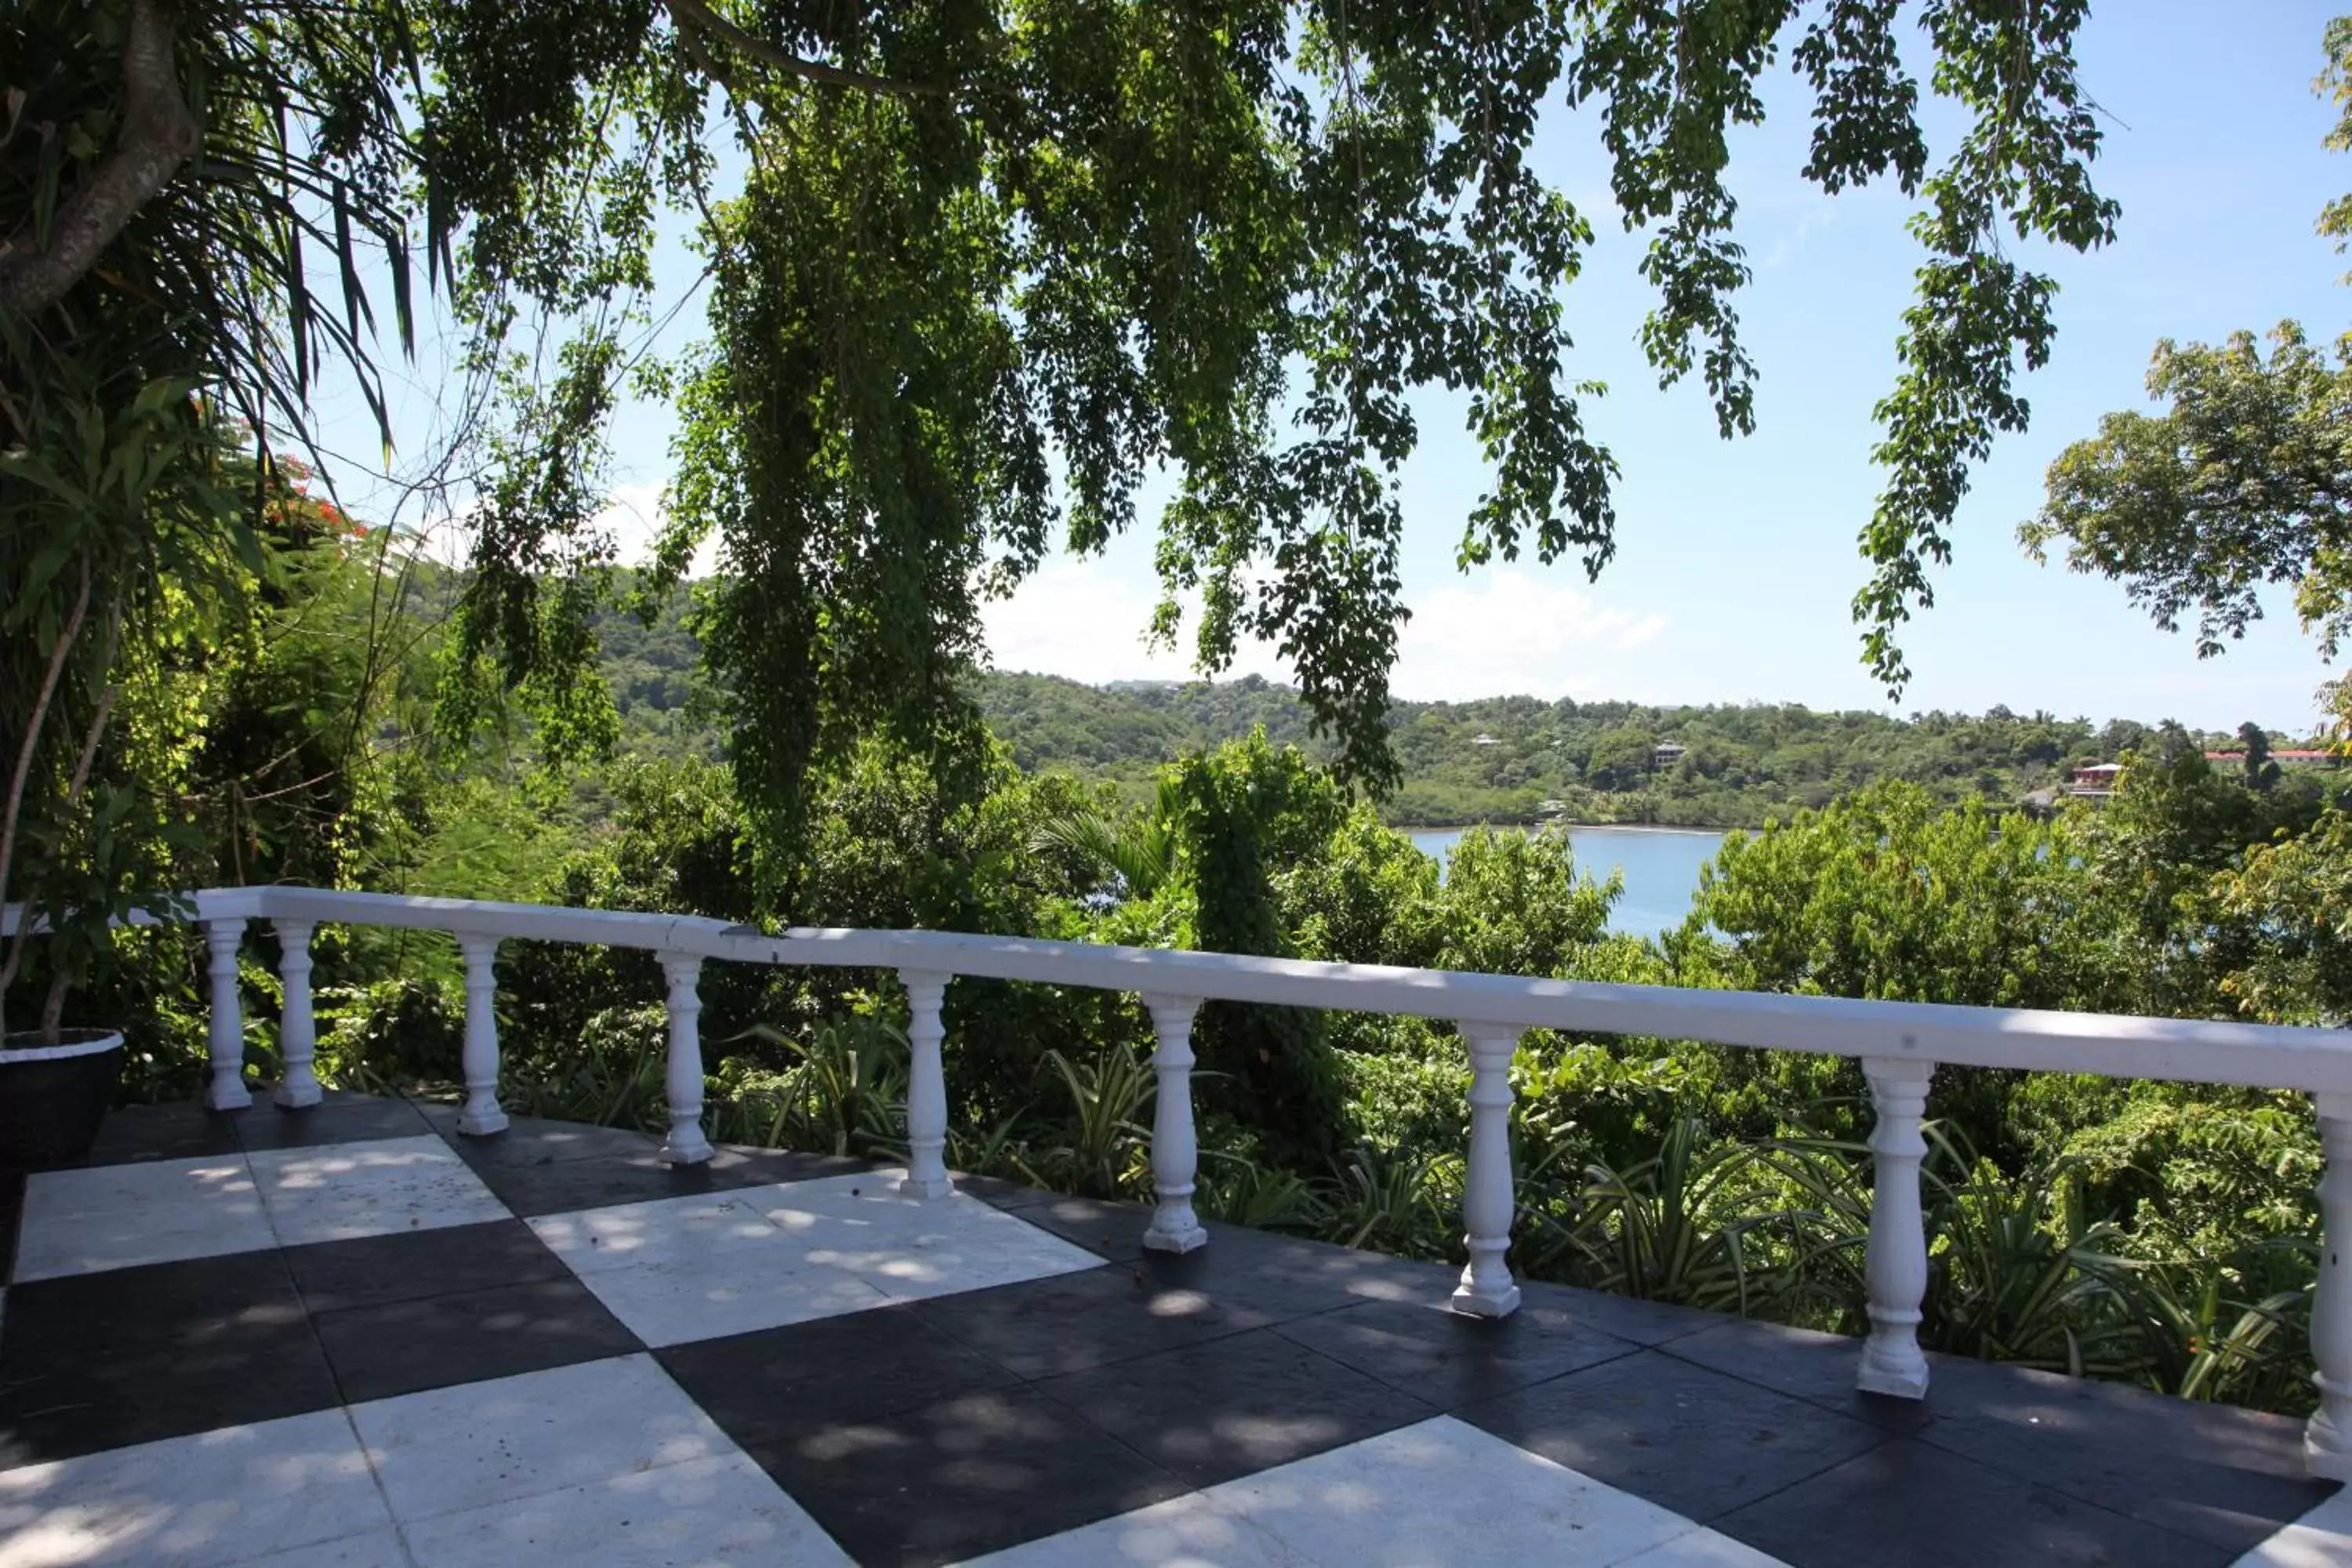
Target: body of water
<point x="1661" y="867"/>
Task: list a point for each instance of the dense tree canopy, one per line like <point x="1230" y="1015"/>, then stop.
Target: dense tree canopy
<point x="987" y="265"/>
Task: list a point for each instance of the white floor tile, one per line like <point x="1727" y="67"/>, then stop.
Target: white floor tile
<point x="592" y="1241"/>
<point x="705" y="1511"/>
<point x="731" y="1289"/>
<point x="340" y="1191"/>
<point x="1187" y="1531"/>
<point x="914" y="1247"/>
<point x="115" y="1217"/>
<point x="1702" y="1548"/>
<point x="453" y="1450"/>
<point x="1421" y="1494"/>
<point x="230" y="1496"/>
<point x="375" y="1549"/>
<point x="1429" y="1496"/>
<point x="686" y="1269"/>
<point x="2320" y="1539"/>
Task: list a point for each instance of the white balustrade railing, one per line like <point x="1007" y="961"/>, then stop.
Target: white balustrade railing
<point x="1899" y="1043"/>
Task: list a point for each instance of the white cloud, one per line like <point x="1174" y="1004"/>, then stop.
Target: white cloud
<point x="1509" y="631"/>
<point x="634" y="516"/>
<point x="1502" y="632"/>
<point x="1086" y="620"/>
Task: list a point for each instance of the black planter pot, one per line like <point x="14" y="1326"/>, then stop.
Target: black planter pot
<point x="53" y="1096"/>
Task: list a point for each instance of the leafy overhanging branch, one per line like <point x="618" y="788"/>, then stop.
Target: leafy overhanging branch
<point x="701" y="18"/>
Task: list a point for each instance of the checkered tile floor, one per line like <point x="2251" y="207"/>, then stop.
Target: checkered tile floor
<point x="347" y="1336"/>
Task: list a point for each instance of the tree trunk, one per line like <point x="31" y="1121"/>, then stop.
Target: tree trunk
<point x="158" y="136"/>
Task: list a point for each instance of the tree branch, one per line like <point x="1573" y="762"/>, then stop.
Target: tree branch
<point x="701" y="18"/>
<point x="158" y="136"/>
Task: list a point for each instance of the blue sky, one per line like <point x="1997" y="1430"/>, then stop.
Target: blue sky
<point x="1737" y="561"/>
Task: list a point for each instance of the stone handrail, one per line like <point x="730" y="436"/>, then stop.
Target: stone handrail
<point x="1899" y="1044"/>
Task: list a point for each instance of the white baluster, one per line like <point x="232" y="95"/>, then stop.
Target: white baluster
<point x="1175" y="1147"/>
<point x="298" y="1032"/>
<point x="686" y="1144"/>
<point x="926" y="1088"/>
<point x="227" y="1090"/>
<point x="481" y="1115"/>
<point x="2328" y="1439"/>
<point x="1895" y="1269"/>
<point x="1489" y="1198"/>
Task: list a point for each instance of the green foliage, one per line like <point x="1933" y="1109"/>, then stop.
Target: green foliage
<point x="1513" y="904"/>
<point x="1108" y="1152"/>
<point x="1404" y="1201"/>
<point x="844" y="1092"/>
<point x="1368" y="896"/>
<point x="2285" y="908"/>
<point x="147" y="324"/>
<point x="1664" y="1228"/>
<point x="2233" y="486"/>
<point x="611" y="1075"/>
<point x="1126" y="853"/>
<point x="1246" y="810"/>
<point x="1882" y="895"/>
<point x="1400" y="1098"/>
<point x="384" y="1033"/>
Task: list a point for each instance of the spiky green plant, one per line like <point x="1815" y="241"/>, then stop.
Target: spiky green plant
<point x="1396" y="1201"/>
<point x="1107" y="1151"/>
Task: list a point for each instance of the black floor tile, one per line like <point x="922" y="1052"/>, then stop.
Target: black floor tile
<point x="1628" y="1318"/>
<point x="1905" y="1502"/>
<point x="133" y="1134"/>
<point x="778" y="1383"/>
<point x="1003" y="1195"/>
<point x="1235" y="1406"/>
<point x="1289" y="1275"/>
<point x="600" y="1181"/>
<point x="1109" y="1230"/>
<point x="1071" y="1322"/>
<point x="376" y="1270"/>
<point x="562" y="1186"/>
<point x="961" y="1478"/>
<point x="102" y="1360"/>
<point x="440" y="1340"/>
<point x="12" y="1216"/>
<point x="339" y="1118"/>
<point x="1451" y="1360"/>
<point x="2220" y="1474"/>
<point x="1804" y="1363"/>
<point x="1685" y="1438"/>
<point x="124" y="1311"/>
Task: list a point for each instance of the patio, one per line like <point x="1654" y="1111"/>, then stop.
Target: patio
<point x="347" y="1335"/>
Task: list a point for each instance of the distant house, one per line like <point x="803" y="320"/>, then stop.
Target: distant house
<point x="1667" y="754"/>
<point x="1484" y="741"/>
<point x="2094" y="783"/>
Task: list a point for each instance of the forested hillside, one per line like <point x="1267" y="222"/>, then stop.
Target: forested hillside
<point x="1519" y="759"/>
<point x="1501" y="759"/>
